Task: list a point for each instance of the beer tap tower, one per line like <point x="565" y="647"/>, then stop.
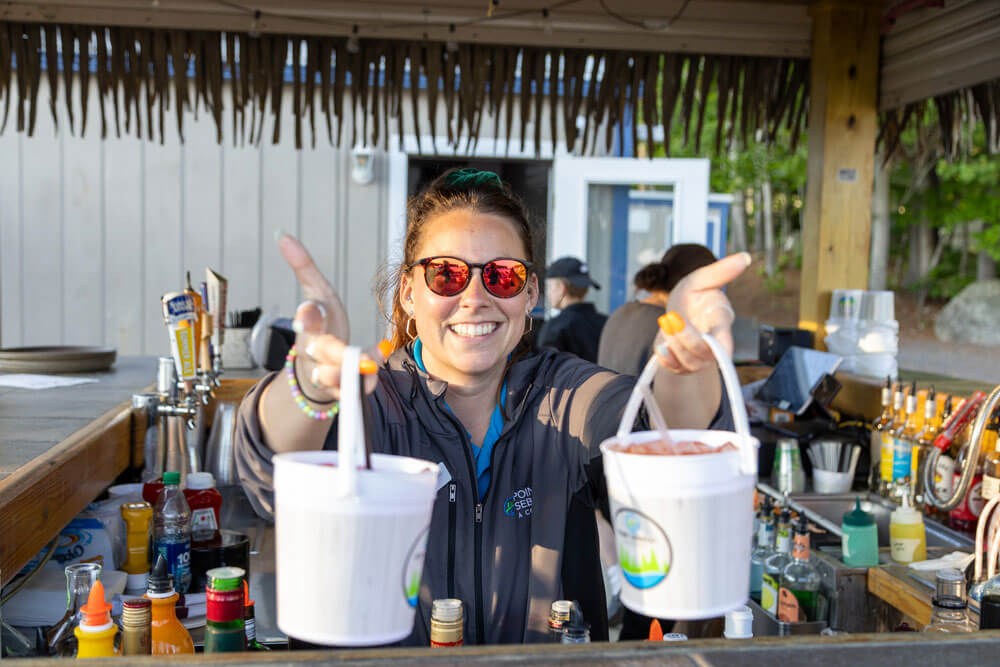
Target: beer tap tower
<point x="176" y="413"/>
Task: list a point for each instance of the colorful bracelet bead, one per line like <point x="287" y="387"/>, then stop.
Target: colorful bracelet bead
<point x="300" y="400"/>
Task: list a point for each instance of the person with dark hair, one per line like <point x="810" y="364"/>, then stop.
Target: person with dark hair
<point x="627" y="338"/>
<point x="577" y="327"/>
<point x="459" y="389"/>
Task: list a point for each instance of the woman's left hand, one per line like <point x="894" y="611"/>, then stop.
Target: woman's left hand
<point x="698" y="305"/>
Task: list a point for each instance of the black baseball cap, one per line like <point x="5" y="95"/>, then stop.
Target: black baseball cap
<point x="572" y="271"/>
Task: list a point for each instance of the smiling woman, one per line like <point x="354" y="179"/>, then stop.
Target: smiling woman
<point x="517" y="431"/>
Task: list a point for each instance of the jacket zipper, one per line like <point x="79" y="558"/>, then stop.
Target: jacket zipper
<point x="480" y="623"/>
<point x="452" y="514"/>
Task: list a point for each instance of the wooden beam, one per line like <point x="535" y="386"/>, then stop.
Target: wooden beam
<point x="40" y="498"/>
<point x="836" y="231"/>
<point x="727" y="28"/>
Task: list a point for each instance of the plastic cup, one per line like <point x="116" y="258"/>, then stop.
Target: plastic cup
<point x="828" y="481"/>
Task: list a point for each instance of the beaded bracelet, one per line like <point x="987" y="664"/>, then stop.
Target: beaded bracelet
<point x="300" y="400"/>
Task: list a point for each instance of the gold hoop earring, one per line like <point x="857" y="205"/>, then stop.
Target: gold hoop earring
<point x="413" y="336"/>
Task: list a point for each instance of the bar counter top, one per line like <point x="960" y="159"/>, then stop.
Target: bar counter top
<point x="61" y="447"/>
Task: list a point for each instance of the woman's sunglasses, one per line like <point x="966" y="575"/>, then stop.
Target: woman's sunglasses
<point x="503" y="277"/>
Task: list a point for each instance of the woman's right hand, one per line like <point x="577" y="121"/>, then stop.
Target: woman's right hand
<point x="321" y="326"/>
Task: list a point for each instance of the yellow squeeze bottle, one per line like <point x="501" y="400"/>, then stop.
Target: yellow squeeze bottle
<point x="95" y="635"/>
<point x="137" y="517"/>
<point x="907" y="538"/>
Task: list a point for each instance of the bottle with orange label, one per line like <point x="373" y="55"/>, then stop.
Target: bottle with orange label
<point x="168" y="634"/>
<point x="798" y="597"/>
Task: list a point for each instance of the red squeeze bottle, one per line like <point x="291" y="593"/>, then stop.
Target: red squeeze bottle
<point x="958" y="421"/>
<point x="206" y="504"/>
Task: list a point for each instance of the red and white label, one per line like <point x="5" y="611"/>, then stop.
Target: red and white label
<point x="203" y="520"/>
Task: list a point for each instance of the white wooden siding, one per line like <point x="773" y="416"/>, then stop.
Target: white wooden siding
<point x="93" y="232"/>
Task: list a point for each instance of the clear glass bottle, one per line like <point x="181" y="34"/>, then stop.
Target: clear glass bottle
<point x="904" y="438"/>
<point x="798" y="597"/>
<point x="775" y="564"/>
<point x="80" y="578"/>
<point x="575" y="631"/>
<point x="880" y="458"/>
<point x="172" y="531"/>
<point x="558" y="617"/>
<point x="764" y="548"/>
<point x="924" y="441"/>
<point x="950" y="609"/>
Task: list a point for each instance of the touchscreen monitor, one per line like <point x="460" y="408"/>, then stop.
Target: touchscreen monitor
<point x="789" y="386"/>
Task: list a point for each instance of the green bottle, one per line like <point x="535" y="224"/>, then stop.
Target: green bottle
<point x="775" y="563"/>
<point x="224" y="630"/>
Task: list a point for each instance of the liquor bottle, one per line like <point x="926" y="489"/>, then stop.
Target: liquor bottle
<point x="950" y="608"/>
<point x="879" y="457"/>
<point x="925" y="440"/>
<point x="896" y="418"/>
<point x="944" y="470"/>
<point x="775" y="564"/>
<point x="764" y="548"/>
<point x="965" y="516"/>
<point x="250" y="621"/>
<point x="558" y="617"/>
<point x="446" y="623"/>
<point x="991" y="471"/>
<point x="904" y="436"/>
<point x="224" y="631"/>
<point x="172" y="531"/>
<point x="137" y="620"/>
<point x="798" y="596"/>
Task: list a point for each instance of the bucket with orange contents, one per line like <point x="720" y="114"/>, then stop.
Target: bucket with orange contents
<point x="682" y="507"/>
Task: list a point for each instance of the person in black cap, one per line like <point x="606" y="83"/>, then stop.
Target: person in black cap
<point x="577" y="328"/>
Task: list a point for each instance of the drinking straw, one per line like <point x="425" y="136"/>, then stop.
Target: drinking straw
<point x="812" y="457"/>
<point x="855" y="454"/>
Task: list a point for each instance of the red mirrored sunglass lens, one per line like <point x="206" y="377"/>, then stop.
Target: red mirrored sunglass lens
<point x="504" y="277"/>
<point x="446" y="278"/>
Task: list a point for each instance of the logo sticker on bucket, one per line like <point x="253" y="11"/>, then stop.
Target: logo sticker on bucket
<point x="413" y="567"/>
<point x="643" y="548"/>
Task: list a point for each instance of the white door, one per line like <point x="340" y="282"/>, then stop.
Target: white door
<point x="619" y="214"/>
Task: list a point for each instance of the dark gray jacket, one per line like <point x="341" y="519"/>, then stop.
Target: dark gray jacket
<point x="533" y="538"/>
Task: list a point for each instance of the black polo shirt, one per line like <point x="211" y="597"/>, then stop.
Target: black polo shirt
<point x="576" y="329"/>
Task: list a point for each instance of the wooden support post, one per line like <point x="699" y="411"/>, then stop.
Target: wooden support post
<point x="836" y="232"/>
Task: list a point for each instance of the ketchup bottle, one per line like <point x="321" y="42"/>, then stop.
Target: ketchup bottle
<point x="206" y="504"/>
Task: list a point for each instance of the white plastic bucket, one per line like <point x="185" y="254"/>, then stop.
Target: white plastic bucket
<point x="683" y="523"/>
<point x="350" y="542"/>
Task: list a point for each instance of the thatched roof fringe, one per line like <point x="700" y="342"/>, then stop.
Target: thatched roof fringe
<point x="142" y="73"/>
<point x="955" y="117"/>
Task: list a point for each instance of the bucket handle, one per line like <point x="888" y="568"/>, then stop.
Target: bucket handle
<point x="350" y="428"/>
<point x="731" y="384"/>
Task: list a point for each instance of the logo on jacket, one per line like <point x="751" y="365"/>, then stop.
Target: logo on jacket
<point x="519" y="503"/>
